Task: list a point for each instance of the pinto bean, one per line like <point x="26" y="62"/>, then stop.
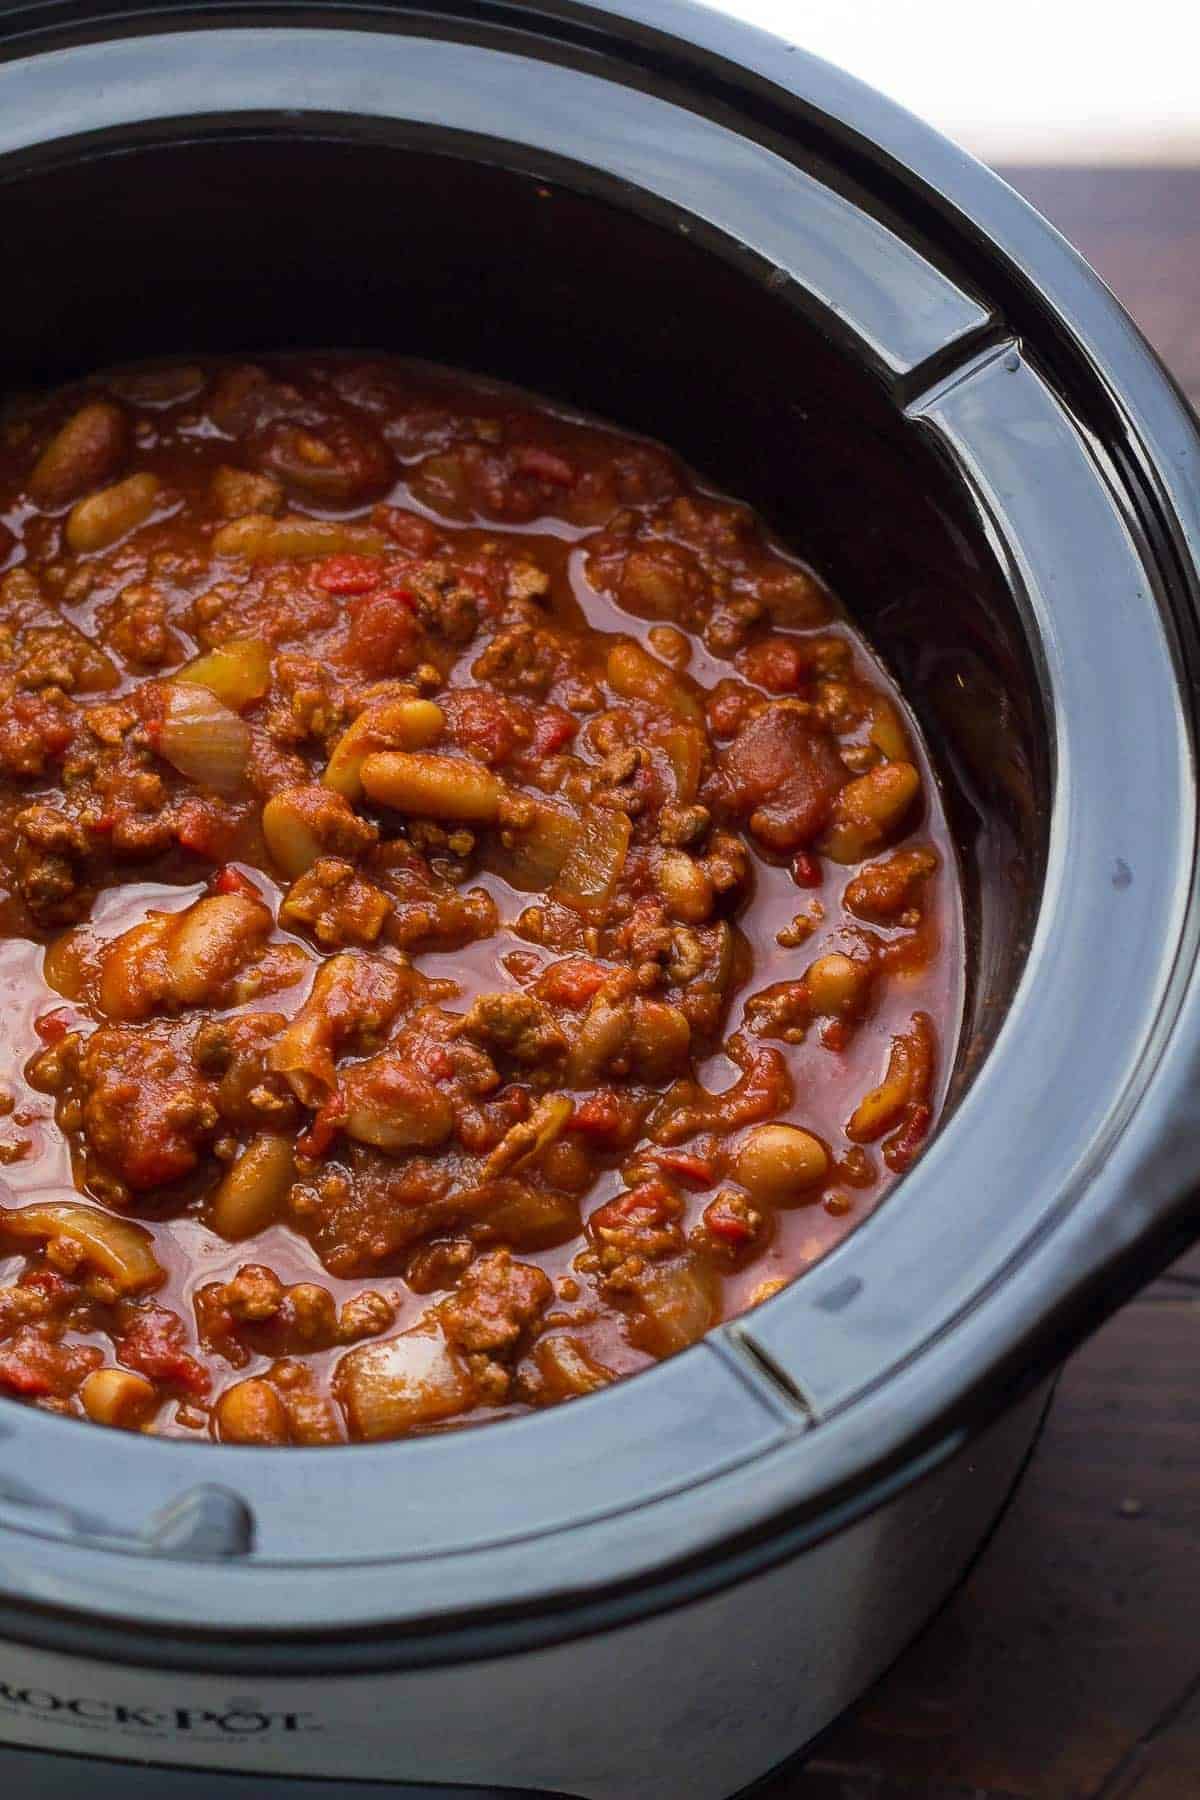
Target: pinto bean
<point x="433" y="787"/>
<point x="99" y="520"/>
<point x="85" y="451"/>
<point x="251" y="1412"/>
<point x="260" y="538"/>
<point x="210" y="941"/>
<point x="778" y="1162"/>
<point x="870" y="810"/>
<point x="118" y="1397"/>
<point x="636" y="675"/>
<point x="304" y="823"/>
<point x="252" y="1194"/>
<point x="394" y="724"/>
<point x="391" y="1106"/>
<point x="838" y="985"/>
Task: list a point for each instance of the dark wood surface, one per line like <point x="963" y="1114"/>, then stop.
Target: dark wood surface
<point x="1068" y="1665"/>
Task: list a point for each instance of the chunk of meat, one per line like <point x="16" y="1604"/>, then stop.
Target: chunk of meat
<point x="783" y="775"/>
<point x="497" y="1300"/>
<point x="516" y="1027"/>
<point x="153" y="1343"/>
<point x="148" y="1114"/>
<point x="337" y="904"/>
<point x="236" y="492"/>
<point x="35" y="730"/>
<point x="255" y="1314"/>
<point x="882" y="891"/>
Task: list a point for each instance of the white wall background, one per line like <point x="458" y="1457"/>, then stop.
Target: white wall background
<point x="1026" y="81"/>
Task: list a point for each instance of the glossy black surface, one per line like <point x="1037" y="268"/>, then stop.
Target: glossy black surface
<point x="1015" y="567"/>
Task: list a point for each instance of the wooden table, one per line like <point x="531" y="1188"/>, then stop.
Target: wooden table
<point x="1068" y="1665"/>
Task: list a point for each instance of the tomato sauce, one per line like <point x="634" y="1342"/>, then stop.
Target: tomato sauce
<point x="474" y="912"/>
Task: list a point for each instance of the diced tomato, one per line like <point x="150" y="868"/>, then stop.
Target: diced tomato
<point x="725" y="1222"/>
<point x="900" y="1150"/>
<point x="348" y="574"/>
<point x="778" y="664"/>
<point x="546" y="465"/>
<point x="437" y="1063"/>
<point x="413" y="533"/>
<point x="649" y="1203"/>
<point x="599" y="1116"/>
<point x="694" y="1171"/>
<point x="153" y="1346"/>
<point x="50" y="1284"/>
<point x="484" y="723"/>
<point x="52" y="1027"/>
<point x="572" y="982"/>
<point x="728" y="706"/>
<point x="806" y="870"/>
<point x="553" y="727"/>
<point x="205" y="829"/>
<point x="23" y="1374"/>
<point x="835" y="1034"/>
<point x="383" y="631"/>
<point x="229" y="879"/>
<point x="325" y="1126"/>
<point x="34" y="1366"/>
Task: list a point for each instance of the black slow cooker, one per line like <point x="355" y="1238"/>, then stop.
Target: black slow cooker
<point x="698" y="231"/>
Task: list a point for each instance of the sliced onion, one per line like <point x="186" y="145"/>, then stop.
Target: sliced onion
<point x="538" y="851"/>
<point x="592" y="870"/>
<point x="526" y="1140"/>
<point x="390" y="1387"/>
<point x="204" y="740"/>
<point x="118" y="1248"/>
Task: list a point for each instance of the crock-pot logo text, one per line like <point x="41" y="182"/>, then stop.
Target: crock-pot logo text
<point x="240" y="1719"/>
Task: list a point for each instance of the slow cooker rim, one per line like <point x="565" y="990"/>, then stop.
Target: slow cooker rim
<point x="735" y="34"/>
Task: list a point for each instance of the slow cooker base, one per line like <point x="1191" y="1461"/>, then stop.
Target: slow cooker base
<point x="706" y="1694"/>
<point x="25" y="1774"/>
<point x="800" y="1758"/>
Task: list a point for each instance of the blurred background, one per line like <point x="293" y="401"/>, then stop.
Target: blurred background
<point x="1037" y="81"/>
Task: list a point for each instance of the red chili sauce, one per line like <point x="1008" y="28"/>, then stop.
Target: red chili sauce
<point x="473" y="912"/>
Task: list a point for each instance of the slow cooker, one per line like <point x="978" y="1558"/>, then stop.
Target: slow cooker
<point x="653" y="212"/>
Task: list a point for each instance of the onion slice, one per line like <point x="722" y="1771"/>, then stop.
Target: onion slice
<point x="204" y="739"/>
<point x="117" y="1248"/>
